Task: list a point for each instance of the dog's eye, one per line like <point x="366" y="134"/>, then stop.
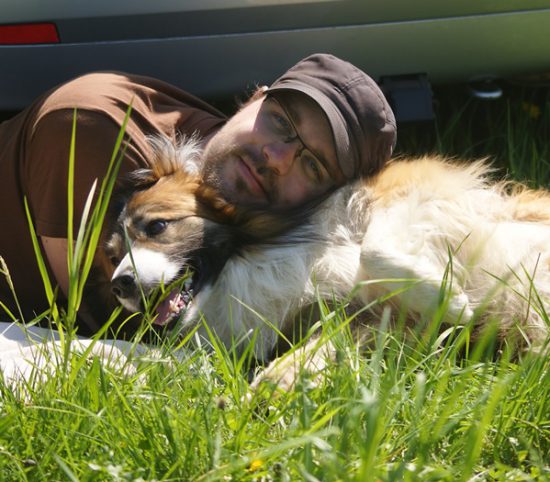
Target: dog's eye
<point x="114" y="260"/>
<point x="155" y="227"/>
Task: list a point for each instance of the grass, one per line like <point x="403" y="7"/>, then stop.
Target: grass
<point x="513" y="131"/>
<point x="430" y="408"/>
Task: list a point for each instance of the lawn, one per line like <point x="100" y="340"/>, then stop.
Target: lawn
<point x="431" y="407"/>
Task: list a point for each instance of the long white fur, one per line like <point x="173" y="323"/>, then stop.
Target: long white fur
<point x="401" y="226"/>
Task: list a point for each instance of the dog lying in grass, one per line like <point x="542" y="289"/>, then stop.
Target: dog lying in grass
<point x="420" y="232"/>
<point x="172" y="228"/>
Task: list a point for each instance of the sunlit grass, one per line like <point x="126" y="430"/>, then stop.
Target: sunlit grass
<point x="401" y="411"/>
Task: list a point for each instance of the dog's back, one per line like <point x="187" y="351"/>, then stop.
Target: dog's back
<point x="431" y="219"/>
<point x="414" y="225"/>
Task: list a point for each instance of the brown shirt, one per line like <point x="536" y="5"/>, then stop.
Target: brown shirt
<point x="34" y="153"/>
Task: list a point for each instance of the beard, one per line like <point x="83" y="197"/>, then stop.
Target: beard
<point x="219" y="170"/>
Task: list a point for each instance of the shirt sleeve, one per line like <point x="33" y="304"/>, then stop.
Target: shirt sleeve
<point x="102" y="100"/>
<point x="47" y="163"/>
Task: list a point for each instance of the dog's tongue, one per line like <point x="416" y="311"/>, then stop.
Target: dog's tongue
<point x="168" y="307"/>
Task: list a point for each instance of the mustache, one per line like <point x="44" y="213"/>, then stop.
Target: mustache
<point x="257" y="162"/>
<point x="215" y="157"/>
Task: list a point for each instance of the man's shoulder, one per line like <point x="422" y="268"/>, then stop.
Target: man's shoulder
<point x="112" y="92"/>
<point x="95" y="91"/>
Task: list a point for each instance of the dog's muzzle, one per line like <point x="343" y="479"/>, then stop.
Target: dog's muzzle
<point x="144" y="271"/>
<point x="124" y="286"/>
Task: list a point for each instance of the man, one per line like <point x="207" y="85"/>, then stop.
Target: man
<point x="320" y="125"/>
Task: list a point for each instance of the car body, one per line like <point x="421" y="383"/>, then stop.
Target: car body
<point x="215" y="48"/>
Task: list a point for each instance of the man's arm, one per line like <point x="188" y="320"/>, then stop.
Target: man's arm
<point x="56" y="256"/>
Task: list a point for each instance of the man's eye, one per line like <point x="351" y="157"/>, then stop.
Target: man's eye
<point x="155" y="227"/>
<point x="312" y="166"/>
<point x="283" y="127"/>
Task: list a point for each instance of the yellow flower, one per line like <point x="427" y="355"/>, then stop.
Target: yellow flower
<point x="533" y="110"/>
<point x="255" y="465"/>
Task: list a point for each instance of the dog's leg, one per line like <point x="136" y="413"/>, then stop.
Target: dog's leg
<point x="283" y="372"/>
<point x="415" y="280"/>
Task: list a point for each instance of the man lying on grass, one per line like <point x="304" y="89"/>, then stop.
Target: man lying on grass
<point x="319" y="126"/>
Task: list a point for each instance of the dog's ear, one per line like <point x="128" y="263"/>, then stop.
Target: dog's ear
<point x="211" y="205"/>
<point x="125" y="187"/>
<point x="260" y="226"/>
<point x="139" y="179"/>
<point x="169" y="157"/>
<point x="275" y="226"/>
<point x="252" y="225"/>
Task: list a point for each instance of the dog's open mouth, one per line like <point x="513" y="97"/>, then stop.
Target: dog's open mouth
<point x="173" y="306"/>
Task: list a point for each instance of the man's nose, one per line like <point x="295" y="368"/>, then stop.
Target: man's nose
<point x="280" y="156"/>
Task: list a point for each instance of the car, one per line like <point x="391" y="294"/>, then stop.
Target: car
<point x="216" y="48"/>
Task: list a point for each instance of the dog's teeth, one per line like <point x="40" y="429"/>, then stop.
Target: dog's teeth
<point x="186" y="296"/>
<point x="174" y="305"/>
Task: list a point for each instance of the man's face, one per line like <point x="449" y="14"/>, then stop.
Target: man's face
<point x="275" y="152"/>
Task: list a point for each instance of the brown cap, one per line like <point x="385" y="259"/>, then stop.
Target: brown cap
<point x="362" y="122"/>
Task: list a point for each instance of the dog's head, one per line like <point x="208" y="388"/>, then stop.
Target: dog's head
<point x="174" y="229"/>
<point x="168" y="229"/>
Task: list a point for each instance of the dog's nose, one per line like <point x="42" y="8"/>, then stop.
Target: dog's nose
<point x="123" y="286"/>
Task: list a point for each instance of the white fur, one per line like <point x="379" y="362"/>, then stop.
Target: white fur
<point x="403" y="235"/>
<point x="186" y="152"/>
<point x="149" y="268"/>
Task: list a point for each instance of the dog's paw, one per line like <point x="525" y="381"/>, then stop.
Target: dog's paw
<point x="283" y="373"/>
<point x="279" y="376"/>
<point x="459" y="307"/>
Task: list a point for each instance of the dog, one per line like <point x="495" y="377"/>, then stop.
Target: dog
<point x="174" y="233"/>
<point x="417" y="226"/>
